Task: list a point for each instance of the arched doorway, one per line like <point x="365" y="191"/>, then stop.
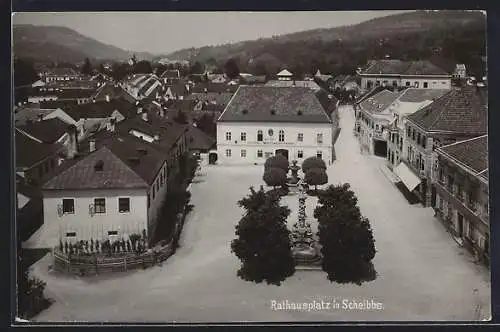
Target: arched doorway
<point x="283" y="152"/>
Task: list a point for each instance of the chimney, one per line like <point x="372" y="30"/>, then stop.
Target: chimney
<point x="162" y="112"/>
<point x="91" y="145"/>
<point x="156" y="137"/>
<point x="139" y="109"/>
<point x="72" y="148"/>
<point x="107" y="98"/>
<point x="39" y="117"/>
<point x="145" y="116"/>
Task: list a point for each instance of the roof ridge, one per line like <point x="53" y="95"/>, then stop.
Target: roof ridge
<point x="464" y="141"/>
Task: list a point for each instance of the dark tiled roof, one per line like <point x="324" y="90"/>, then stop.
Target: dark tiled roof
<point x="25" y="115"/>
<point x="472" y="153"/>
<point x="114" y="92"/>
<point x="221" y="98"/>
<point x="328" y="101"/>
<point x="55" y="104"/>
<point x="102" y="109"/>
<point x="47" y="131"/>
<point x="75" y="93"/>
<point x="170" y="74"/>
<point x="30" y="152"/>
<point x="117" y="170"/>
<point x="213" y="87"/>
<point x="399" y="67"/>
<point x="460" y="111"/>
<point x="379" y="102"/>
<point x="413" y="95"/>
<point x="185" y="104"/>
<point x="26" y="189"/>
<point x="178" y="89"/>
<point x="275" y="104"/>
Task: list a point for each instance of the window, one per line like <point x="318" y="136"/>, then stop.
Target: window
<point x="259" y="135"/>
<point x="228" y="152"/>
<point x="300" y="154"/>
<point x="243" y="153"/>
<point x="471" y="231"/>
<point x="319" y="138"/>
<point x="418" y="138"/>
<point x="300" y="137"/>
<point x="378" y="83"/>
<point x="161" y="178"/>
<point x="281" y="135"/>
<point x="319" y="154"/>
<point x="423" y="141"/>
<point x="157" y="184"/>
<point x="259" y="153"/>
<point x="71" y="234"/>
<point x="270" y="132"/>
<point x="123" y="204"/>
<point x="407" y="83"/>
<point x="426" y="84"/>
<point x="111" y="233"/>
<point x="228" y="136"/>
<point x="100" y="205"/>
<point x="413" y="132"/>
<point x="68" y="205"/>
<point x="408" y="132"/>
<point x="416" y="84"/>
<point x="268" y="155"/>
<point x="243" y="136"/>
<point x="394" y="83"/>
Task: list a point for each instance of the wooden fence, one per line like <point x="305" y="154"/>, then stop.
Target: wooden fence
<point x="93" y="264"/>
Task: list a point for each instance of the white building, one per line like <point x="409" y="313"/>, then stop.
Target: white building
<point x="116" y="190"/>
<point x="262" y="121"/>
<point x="284" y="75"/>
<point x="398" y="73"/>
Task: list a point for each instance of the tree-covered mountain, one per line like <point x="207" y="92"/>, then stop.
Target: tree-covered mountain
<point x="447" y="37"/>
<point x="61" y="44"/>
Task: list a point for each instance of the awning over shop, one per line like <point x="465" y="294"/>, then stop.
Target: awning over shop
<point x="406" y="175"/>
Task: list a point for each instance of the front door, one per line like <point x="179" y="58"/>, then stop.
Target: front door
<point x="283" y="152"/>
<point x="433" y="196"/>
<point x="460" y="225"/>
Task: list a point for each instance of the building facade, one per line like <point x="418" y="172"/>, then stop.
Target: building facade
<point x="462" y="193"/>
<point x="398" y="73"/>
<point x="262" y="121"/>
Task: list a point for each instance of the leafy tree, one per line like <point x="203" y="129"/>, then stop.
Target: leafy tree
<point x="87" y="67"/>
<point x="274" y="177"/>
<point x="231" y="68"/>
<point x="181" y="117"/>
<point x="316" y="177"/>
<point x="207" y="124"/>
<point x="313" y="162"/>
<point x="277" y="161"/>
<point x="120" y="71"/>
<point x="143" y="67"/>
<point x="263" y="240"/>
<point x="345" y="235"/>
<point x="197" y="68"/>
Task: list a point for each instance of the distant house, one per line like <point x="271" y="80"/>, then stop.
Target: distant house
<point x="262" y="121"/>
<point x="460" y="71"/>
<point x="176" y="91"/>
<point x="61" y="74"/>
<point x="284" y="75"/>
<point x="199" y="142"/>
<point x="398" y="73"/>
<point x="251" y="80"/>
<point x="217" y="78"/>
<point x="462" y="193"/>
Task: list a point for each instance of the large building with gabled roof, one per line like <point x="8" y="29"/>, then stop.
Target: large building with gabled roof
<point x="262" y="121"/>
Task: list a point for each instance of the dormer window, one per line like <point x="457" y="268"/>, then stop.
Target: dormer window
<point x="99" y="165"/>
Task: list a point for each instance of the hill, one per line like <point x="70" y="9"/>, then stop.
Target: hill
<point x="61" y="44"/>
<point x="447" y="36"/>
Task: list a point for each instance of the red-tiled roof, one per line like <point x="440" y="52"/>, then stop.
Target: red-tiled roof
<point x="460" y="111"/>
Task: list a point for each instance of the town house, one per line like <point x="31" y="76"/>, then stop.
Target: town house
<point x="398" y="73"/>
<point x="262" y="121"/>
<point x="462" y="199"/>
<point x="458" y="115"/>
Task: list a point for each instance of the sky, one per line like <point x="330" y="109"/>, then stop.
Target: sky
<point x="165" y="32"/>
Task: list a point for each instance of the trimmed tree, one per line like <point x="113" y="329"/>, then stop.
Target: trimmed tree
<point x="278" y="161"/>
<point x="274" y="177"/>
<point x="263" y="239"/>
<point x="316" y="177"/>
<point x="313" y="162"/>
<point x="345" y="235"/>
